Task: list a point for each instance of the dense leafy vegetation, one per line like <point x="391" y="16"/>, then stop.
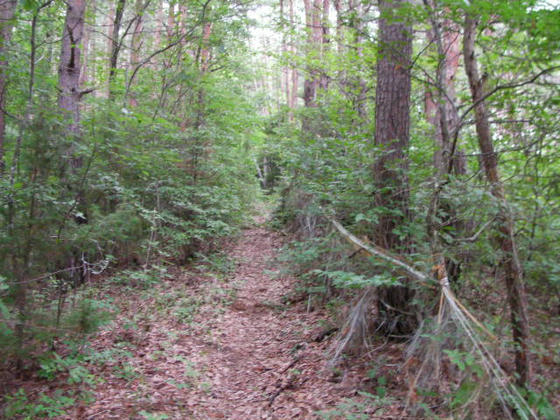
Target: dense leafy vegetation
<point x="135" y="135"/>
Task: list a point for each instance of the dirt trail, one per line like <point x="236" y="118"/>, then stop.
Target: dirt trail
<point x="244" y="355"/>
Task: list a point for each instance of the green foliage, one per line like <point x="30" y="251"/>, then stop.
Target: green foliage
<point x="347" y="280"/>
<point x="354" y="409"/>
<point x="18" y="405"/>
<point x="89" y="315"/>
<point x="153" y="416"/>
<point x="152" y="179"/>
<point x="185" y="309"/>
<point x="542" y="405"/>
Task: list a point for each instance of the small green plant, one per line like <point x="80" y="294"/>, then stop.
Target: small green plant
<point x="190" y="371"/>
<point x="542" y="405"/>
<point x="153" y="416"/>
<point x="352" y="409"/>
<point x="18" y="405"/>
<point x="179" y="385"/>
<point x="185" y="309"/>
<point x="126" y="371"/>
<point x="219" y="262"/>
<point x="143" y="279"/>
<point x="89" y="315"/>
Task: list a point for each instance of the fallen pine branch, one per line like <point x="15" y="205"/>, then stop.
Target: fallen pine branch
<point x="506" y="391"/>
<point x="385" y="255"/>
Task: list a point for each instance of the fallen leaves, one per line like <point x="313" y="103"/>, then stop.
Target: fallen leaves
<point x="241" y="353"/>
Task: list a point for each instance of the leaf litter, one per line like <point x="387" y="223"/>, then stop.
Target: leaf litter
<point x="242" y="354"/>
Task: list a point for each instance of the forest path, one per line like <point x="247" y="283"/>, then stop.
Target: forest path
<point x="234" y="350"/>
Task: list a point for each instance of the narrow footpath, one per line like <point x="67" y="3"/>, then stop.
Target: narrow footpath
<point x="243" y="354"/>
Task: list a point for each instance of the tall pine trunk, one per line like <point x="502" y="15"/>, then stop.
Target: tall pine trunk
<point x="392" y="117"/>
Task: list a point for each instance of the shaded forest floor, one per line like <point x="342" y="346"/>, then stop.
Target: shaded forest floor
<point x="217" y="340"/>
<point x="227" y="337"/>
<point x="236" y="351"/>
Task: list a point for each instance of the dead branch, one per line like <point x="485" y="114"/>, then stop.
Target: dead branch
<point x="384" y="255"/>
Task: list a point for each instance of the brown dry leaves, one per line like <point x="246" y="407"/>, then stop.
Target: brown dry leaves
<point x="250" y="359"/>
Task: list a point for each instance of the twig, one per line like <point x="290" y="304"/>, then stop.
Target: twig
<point x="291" y="365"/>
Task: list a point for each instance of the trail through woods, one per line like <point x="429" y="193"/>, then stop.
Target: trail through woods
<point x="244" y="354"/>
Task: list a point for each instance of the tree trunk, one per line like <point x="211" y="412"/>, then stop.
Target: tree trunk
<point x="115" y="43"/>
<point x="171" y="21"/>
<point x="205" y="52"/>
<point x="441" y="112"/>
<point x="69" y="67"/>
<point x="339" y="25"/>
<point x="506" y="226"/>
<point x="136" y="42"/>
<point x="7" y="10"/>
<point x="294" y="71"/>
<point x="325" y="39"/>
<point x="284" y="49"/>
<point x="392" y="116"/>
<point x="87" y="40"/>
<point x="314" y="40"/>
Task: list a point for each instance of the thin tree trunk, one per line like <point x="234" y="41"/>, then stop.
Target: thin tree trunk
<point x="205" y="53"/>
<point x="87" y="40"/>
<point x="392" y="114"/>
<point x="325" y="39"/>
<point x="115" y="43"/>
<point x="506" y="226"/>
<point x="158" y="25"/>
<point x="294" y="71"/>
<point x="136" y="42"/>
<point x="339" y="25"/>
<point x="7" y="10"/>
<point x="171" y="20"/>
<point x="284" y="49"/>
<point x="441" y="112"/>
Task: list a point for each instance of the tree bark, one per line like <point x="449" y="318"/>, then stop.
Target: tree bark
<point x="284" y="49"/>
<point x="171" y="21"/>
<point x="115" y="43"/>
<point x="136" y="42"/>
<point x="441" y="112"/>
<point x="440" y="100"/>
<point x="314" y="40"/>
<point x="294" y="71"/>
<point x="392" y="117"/>
<point x="7" y="10"/>
<point x="205" y="52"/>
<point x="325" y="39"/>
<point x="87" y="40"/>
<point x="513" y="274"/>
<point x="69" y="66"/>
